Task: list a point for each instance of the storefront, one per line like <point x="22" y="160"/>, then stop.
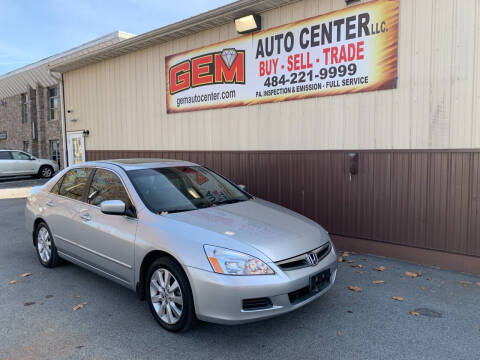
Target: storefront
<point x="364" y="117"/>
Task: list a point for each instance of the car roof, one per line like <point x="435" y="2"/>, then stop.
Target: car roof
<point x="144" y="163"/>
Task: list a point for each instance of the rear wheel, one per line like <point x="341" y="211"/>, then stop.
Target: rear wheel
<point x="45" y="246"/>
<point x="45" y="171"/>
<point x="169" y="295"/>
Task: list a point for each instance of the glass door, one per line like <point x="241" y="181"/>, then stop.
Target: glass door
<point x="76" y="148"/>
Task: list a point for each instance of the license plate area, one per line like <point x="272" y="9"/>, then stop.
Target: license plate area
<point x="319" y="281"/>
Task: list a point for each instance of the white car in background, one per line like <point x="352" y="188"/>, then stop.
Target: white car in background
<point x="20" y="163"/>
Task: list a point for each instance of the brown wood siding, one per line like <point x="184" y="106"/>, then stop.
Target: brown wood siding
<point x="424" y="199"/>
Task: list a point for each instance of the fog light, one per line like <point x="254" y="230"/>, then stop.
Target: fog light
<point x="248" y="24"/>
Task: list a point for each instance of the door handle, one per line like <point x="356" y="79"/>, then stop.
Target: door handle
<point x="50" y="203"/>
<point x="85" y="217"/>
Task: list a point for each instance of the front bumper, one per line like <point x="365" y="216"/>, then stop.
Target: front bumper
<point x="219" y="298"/>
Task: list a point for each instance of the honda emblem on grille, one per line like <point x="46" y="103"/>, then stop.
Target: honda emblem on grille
<point x="312" y="258"/>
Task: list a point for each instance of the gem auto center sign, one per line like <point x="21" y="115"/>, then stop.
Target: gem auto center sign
<point x="347" y="51"/>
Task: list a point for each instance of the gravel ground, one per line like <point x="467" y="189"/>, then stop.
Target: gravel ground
<point x="38" y="322"/>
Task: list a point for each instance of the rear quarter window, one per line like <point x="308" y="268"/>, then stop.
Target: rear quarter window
<point x="55" y="189"/>
<point x="5" y="155"/>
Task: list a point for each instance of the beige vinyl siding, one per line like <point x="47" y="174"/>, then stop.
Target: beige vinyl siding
<point x="121" y="101"/>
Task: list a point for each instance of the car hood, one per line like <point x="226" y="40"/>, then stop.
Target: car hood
<point x="277" y="232"/>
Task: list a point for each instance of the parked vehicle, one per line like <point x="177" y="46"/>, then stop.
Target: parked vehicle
<point x="191" y="242"/>
<point x="18" y="163"/>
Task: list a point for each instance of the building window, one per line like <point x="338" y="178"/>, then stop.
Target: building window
<point x="53" y="106"/>
<point x="55" y="151"/>
<point x="24" y="108"/>
<point x="26" y="147"/>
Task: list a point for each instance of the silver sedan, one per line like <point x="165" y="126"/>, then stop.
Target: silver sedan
<point x="189" y="241"/>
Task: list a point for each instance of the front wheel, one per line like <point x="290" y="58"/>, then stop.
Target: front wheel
<point x="45" y="246"/>
<point x="45" y="172"/>
<point x="169" y="295"/>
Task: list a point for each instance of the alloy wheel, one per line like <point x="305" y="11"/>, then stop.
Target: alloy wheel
<point x="166" y="296"/>
<point x="46" y="172"/>
<point x="44" y="244"/>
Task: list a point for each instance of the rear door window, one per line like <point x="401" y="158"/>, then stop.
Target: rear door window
<point x="107" y="186"/>
<point x="74" y="183"/>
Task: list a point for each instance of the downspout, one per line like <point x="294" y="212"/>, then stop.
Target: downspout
<point x="59" y="77"/>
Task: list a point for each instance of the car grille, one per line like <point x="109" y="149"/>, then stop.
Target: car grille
<point x="257" y="304"/>
<point x="300" y="261"/>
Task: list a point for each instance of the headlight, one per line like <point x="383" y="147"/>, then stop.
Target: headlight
<point x="225" y="261"/>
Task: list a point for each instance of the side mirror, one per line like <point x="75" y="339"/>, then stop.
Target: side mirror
<point x="243" y="187"/>
<point x="113" y="207"/>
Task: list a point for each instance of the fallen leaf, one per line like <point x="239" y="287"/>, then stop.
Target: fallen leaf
<point x="79" y="306"/>
<point x="414" y="313"/>
<point x="340" y="259"/>
<point x="423" y="288"/>
<point x="11" y="282"/>
<point x="429" y="279"/>
<point x="359" y="271"/>
<point x="355" y="288"/>
<point x="29" y="303"/>
<point x="48" y="296"/>
<point x="465" y="283"/>
<point x="339" y="333"/>
<point x="420" y="272"/>
<point x="26" y="274"/>
<point x="376" y="282"/>
<point x="478" y="283"/>
<point x="398" y="298"/>
<point x="380" y="268"/>
<point x="411" y="274"/>
<point x="345" y="254"/>
<point x="357" y="266"/>
<point x="451" y="294"/>
<point x="76" y="296"/>
<point x="364" y="259"/>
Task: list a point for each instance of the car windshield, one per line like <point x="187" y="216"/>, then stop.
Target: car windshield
<point x="183" y="188"/>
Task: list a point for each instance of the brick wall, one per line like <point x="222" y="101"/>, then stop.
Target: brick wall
<point x="38" y="114"/>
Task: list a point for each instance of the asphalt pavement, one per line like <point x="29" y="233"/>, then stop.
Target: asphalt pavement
<point x="38" y="322"/>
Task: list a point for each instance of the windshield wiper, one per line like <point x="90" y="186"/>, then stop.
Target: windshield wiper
<point x="229" y="201"/>
<point x="173" y="211"/>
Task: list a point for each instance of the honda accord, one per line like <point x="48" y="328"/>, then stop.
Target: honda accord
<point x="192" y="243"/>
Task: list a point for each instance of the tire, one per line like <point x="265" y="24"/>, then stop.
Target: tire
<point x="45" y="246"/>
<point x="164" y="303"/>
<point x="45" y="172"/>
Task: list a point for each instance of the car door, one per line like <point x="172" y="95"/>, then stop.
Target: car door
<point x="24" y="164"/>
<point x="62" y="213"/>
<point x="6" y="164"/>
<point x="108" y="239"/>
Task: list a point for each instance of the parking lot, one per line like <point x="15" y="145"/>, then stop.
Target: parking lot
<point x="436" y="314"/>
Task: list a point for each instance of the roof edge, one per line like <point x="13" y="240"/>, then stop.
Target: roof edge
<point x="182" y="28"/>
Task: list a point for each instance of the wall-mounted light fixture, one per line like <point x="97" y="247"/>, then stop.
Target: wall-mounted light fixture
<point x="248" y="24"/>
<point x="350" y="1"/>
<point x="86" y="132"/>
